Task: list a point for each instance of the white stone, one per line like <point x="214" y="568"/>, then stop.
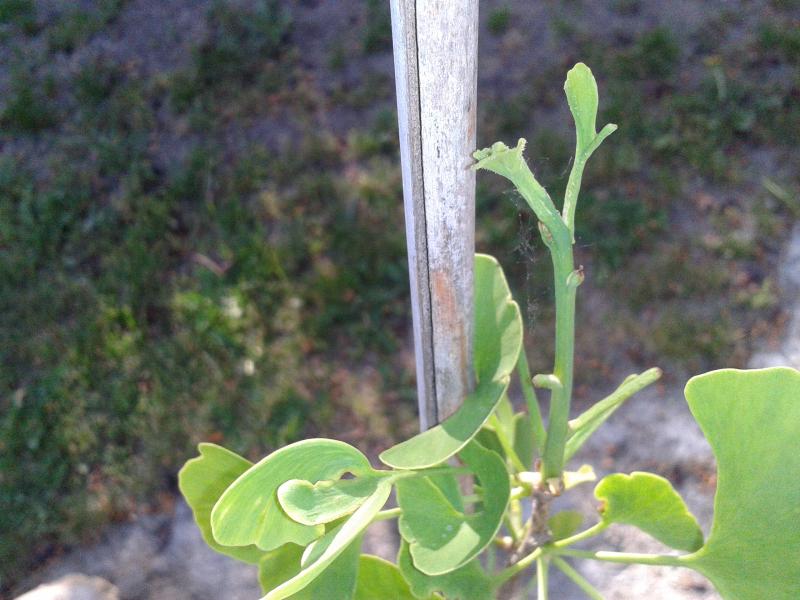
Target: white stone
<point x="74" y="587"/>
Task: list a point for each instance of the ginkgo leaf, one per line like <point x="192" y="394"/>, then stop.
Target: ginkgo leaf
<point x="498" y="339"/>
<point x="325" y="501"/>
<point x="379" y="579"/>
<point x="582" y="97"/>
<point x="441" y="537"/>
<point x="469" y="582"/>
<point x="650" y="503"/>
<point x="337" y="581"/>
<point x="320" y="555"/>
<point x="248" y="512"/>
<point x="202" y="481"/>
<point x="752" y="421"/>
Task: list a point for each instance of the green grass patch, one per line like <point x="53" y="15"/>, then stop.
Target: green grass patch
<point x="499" y="20"/>
<point x="240" y="44"/>
<point x="77" y="26"/>
<point x="19" y="13"/>
<point x="377" y="34"/>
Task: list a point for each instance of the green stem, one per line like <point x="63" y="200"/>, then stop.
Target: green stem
<point x="560" y="398"/>
<point x="532" y="401"/>
<point x="630" y="558"/>
<point x="542" y="567"/>
<point x="576" y="578"/>
<point x="389" y="513"/>
<point x="571" y="193"/>
<point x="582" y="154"/>
<point x="579" y="537"/>
<point x="519" y="566"/>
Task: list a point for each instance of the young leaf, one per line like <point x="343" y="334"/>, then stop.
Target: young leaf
<point x="487" y="437"/>
<point x="650" y="503"/>
<point x="498" y="339"/>
<point x="442" y="538"/>
<point x="587" y="423"/>
<point x="523" y="439"/>
<point x="752" y="420"/>
<point x="498" y="322"/>
<point x="563" y="524"/>
<point x="248" y="511"/>
<point x="439" y="443"/>
<point x="509" y="163"/>
<point x="320" y="555"/>
<point x="469" y="582"/>
<point x="585" y="474"/>
<point x="325" y="501"/>
<point x="581" y="90"/>
<point x="202" y="481"/>
<point x="381" y="580"/>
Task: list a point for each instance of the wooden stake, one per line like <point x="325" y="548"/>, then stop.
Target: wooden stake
<point x="435" y="58"/>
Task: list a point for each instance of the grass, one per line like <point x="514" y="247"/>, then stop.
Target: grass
<point x="19" y="13"/>
<point x="29" y="108"/>
<point x="240" y="45"/>
<point x="144" y="310"/>
<point x="499" y="20"/>
<point x="377" y="32"/>
<point x="77" y="26"/>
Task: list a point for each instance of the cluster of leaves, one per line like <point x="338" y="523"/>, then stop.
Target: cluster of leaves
<point x="302" y="523"/>
<point x="465" y="485"/>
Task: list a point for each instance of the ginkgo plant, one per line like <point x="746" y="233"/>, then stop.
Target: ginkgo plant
<point x="480" y="485"/>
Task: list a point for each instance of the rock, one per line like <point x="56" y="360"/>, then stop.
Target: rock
<point x="74" y="586"/>
<point x="788" y="355"/>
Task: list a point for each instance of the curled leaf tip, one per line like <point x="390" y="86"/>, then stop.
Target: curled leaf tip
<point x="499" y="156"/>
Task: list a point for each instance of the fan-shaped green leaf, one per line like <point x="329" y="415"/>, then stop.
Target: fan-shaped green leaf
<point x="650" y="503"/>
<point x="498" y="323"/>
<point x="325" y="501"/>
<point x="469" y="582"/>
<point x="337" y="581"/>
<point x="248" y="512"/>
<point x="202" y="481"/>
<point x="381" y="580"/>
<point x="442" y="538"/>
<point x="318" y="557"/>
<point x="752" y="420"/>
<point x="279" y="565"/>
<point x="497" y="343"/>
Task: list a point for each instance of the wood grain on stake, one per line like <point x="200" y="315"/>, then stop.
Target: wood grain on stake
<point x="435" y="57"/>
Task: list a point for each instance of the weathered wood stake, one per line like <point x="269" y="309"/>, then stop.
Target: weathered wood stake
<point x="435" y="58"/>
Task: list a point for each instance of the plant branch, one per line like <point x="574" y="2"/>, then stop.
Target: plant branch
<point x="518" y="566"/>
<point x="560" y="398"/>
<point x="389" y="513"/>
<point x="582" y="155"/>
<point x="630" y="558"/>
<point x="576" y="578"/>
<point x="583" y="535"/>
<point x="542" y="566"/>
